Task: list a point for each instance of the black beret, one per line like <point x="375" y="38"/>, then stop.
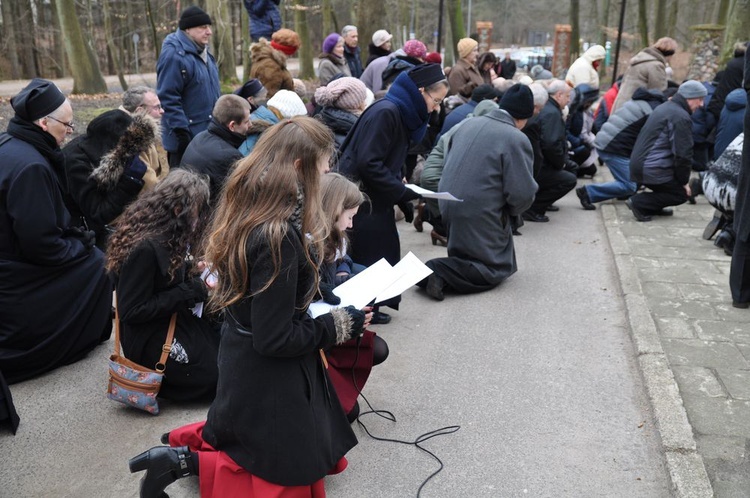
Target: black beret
<point x="518" y="101"/>
<point x="425" y="75"/>
<point x="193" y="16"/>
<point x="38" y="99"/>
<point x="250" y="89"/>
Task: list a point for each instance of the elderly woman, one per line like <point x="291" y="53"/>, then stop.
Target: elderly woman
<point x="342" y="101"/>
<point x="648" y="68"/>
<point x="464" y="76"/>
<point x="332" y="61"/>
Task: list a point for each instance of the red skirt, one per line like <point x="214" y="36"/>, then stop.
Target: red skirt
<point x="349" y="363"/>
<point x="221" y="477"/>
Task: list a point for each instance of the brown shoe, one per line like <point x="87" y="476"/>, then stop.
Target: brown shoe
<point x="437" y="238"/>
<point x="418" y="219"/>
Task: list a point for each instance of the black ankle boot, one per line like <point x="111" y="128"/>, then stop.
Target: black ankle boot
<point x="163" y="466"/>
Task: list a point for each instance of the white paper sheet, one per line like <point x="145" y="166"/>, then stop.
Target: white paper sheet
<point x="412" y="271"/>
<point x="429" y="194"/>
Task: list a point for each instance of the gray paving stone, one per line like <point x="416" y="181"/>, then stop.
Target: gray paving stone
<point x="684" y="233"/>
<point x="661" y="290"/>
<point x="698" y="381"/>
<point x="723" y="267"/>
<point x="674" y="275"/>
<point x="644" y="262"/>
<point x="745" y="350"/>
<point x="723" y="330"/>
<point x="688" y="475"/>
<point x="702" y="292"/>
<point x="655" y="251"/>
<point x="718" y="416"/>
<point x="675" y="327"/>
<point x="681" y="309"/>
<point x="695" y="352"/>
<point x="698" y="266"/>
<point x="737" y="382"/>
<point x="728" y="448"/>
<point x="728" y="312"/>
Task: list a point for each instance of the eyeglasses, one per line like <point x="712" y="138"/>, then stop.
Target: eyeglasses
<point x="70" y="125"/>
<point x="434" y="100"/>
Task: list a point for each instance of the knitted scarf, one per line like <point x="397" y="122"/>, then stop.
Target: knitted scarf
<point x="42" y="141"/>
<point x="405" y="94"/>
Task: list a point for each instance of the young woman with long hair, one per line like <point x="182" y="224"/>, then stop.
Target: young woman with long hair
<point x="149" y="257"/>
<point x="276" y="427"/>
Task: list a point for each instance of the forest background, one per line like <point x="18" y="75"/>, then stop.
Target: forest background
<point x="87" y="39"/>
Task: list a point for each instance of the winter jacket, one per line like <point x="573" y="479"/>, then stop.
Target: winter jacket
<point x="265" y="18"/>
<point x="260" y="120"/>
<point x="742" y="210"/>
<point x="464" y="78"/>
<point x="648" y="68"/>
<point x="664" y="149"/>
<point x="720" y="181"/>
<point x="731" y="80"/>
<point x="619" y="133"/>
<point x="456" y="116"/>
<point x="731" y="121"/>
<point x="372" y="76"/>
<point x="507" y="68"/>
<point x="374" y="52"/>
<point x="269" y="66"/>
<point x="339" y="121"/>
<point x="213" y="152"/>
<point x="701" y="120"/>
<point x="353" y="61"/>
<point x="396" y="66"/>
<point x="329" y="66"/>
<point x="552" y="136"/>
<point x="582" y="70"/>
<point x="187" y="87"/>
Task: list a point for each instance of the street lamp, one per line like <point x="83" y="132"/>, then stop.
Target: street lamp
<point x="619" y="40"/>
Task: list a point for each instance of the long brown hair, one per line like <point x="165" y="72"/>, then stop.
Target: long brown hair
<point x="175" y="211"/>
<point x="262" y="193"/>
<point x="338" y="195"/>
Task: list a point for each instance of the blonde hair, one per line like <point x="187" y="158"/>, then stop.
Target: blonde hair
<point x="261" y="194"/>
<point x="338" y="194"/>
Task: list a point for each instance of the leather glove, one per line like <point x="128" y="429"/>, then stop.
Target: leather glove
<point x="408" y="210"/>
<point x="183" y="139"/>
<point x="358" y="321"/>
<point x="136" y="169"/>
<point x="326" y="292"/>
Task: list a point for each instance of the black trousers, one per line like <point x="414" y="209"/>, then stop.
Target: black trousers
<point x="739" y="273"/>
<point x="662" y="195"/>
<point x="553" y="185"/>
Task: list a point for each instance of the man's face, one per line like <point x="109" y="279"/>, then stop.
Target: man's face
<point x="351" y="39"/>
<point x="694" y="104"/>
<point x="241" y="127"/>
<point x="61" y="124"/>
<point x="562" y="97"/>
<point x="200" y="34"/>
<point x="151" y="106"/>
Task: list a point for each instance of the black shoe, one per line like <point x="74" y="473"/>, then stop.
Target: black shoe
<point x="516" y="232"/>
<point x="740" y="305"/>
<point x="587" y="171"/>
<point x="164" y="438"/>
<point x="535" y="217"/>
<point x="552" y="208"/>
<point x="664" y="212"/>
<point x="716" y="224"/>
<point x="163" y="466"/>
<point x="696" y="186"/>
<point x="435" y="286"/>
<point x="623" y="198"/>
<point x="354" y="413"/>
<point x="583" y="196"/>
<point x="380" y="318"/>
<point x="638" y="215"/>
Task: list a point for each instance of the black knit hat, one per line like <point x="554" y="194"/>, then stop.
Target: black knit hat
<point x="250" y="89"/>
<point x="518" y="101"/>
<point x="425" y="75"/>
<point x="484" y="92"/>
<point x="38" y="99"/>
<point x="193" y="16"/>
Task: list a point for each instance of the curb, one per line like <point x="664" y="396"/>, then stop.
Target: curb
<point x="685" y="466"/>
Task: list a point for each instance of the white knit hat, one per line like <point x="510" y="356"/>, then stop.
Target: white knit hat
<point x="288" y="103"/>
<point x="381" y="36"/>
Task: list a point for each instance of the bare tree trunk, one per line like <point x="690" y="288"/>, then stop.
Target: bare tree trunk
<point x="306" y="69"/>
<point x="245" y="30"/>
<point x="721" y="18"/>
<point x="575" y="32"/>
<point x="152" y="25"/>
<point x="25" y="39"/>
<point x="660" y="25"/>
<point x="87" y="78"/>
<point x="328" y="26"/>
<point x="605" y="20"/>
<point x="109" y="36"/>
<point x="371" y="18"/>
<point x="672" y="23"/>
<point x="222" y="40"/>
<point x="58" y="55"/>
<point x="456" y="17"/>
<point x="9" y="31"/>
<point x="643" y="22"/>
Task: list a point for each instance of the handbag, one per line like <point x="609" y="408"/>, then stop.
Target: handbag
<point x="135" y="385"/>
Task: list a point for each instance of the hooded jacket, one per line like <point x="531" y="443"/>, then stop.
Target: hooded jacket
<point x="269" y="66"/>
<point x="619" y="133"/>
<point x="187" y="87"/>
<point x="731" y="122"/>
<point x="260" y="120"/>
<point x="648" y="68"/>
<point x="582" y="70"/>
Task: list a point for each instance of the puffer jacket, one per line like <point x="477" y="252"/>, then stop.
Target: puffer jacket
<point x="187" y="87"/>
<point x="619" y="133"/>
<point x="269" y="66"/>
<point x="582" y="70"/>
<point x="731" y="122"/>
<point x="648" y="68"/>
<point x="664" y="149"/>
<point x="339" y="121"/>
<point x="265" y="18"/>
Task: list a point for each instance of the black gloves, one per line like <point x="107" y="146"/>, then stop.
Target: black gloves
<point x="408" y="209"/>
<point x="358" y="321"/>
<point x="326" y="293"/>
<point x="136" y="169"/>
<point x="87" y="237"/>
<point x="183" y="139"/>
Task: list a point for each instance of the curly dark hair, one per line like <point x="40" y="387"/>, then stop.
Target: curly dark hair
<point x="175" y="211"/>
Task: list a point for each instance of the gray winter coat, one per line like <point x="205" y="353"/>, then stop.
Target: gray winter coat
<point x="619" y="133"/>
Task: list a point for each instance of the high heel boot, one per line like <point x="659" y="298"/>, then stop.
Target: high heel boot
<point x="419" y="218"/>
<point x="163" y="466"/>
<point x="437" y="238"/>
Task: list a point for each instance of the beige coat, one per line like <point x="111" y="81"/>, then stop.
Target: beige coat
<point x="648" y="69"/>
<point x="464" y="78"/>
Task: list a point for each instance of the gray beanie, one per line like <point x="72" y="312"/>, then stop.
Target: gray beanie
<point x="692" y="89"/>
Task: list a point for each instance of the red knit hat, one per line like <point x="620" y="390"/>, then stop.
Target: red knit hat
<point x="433" y="57"/>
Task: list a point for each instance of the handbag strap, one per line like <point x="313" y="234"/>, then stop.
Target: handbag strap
<point x="165" y="349"/>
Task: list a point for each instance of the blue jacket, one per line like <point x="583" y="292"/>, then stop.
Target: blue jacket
<point x="702" y="123"/>
<point x="187" y="87"/>
<point x="456" y="116"/>
<point x="619" y="133"/>
<point x="265" y="18"/>
<point x="731" y="120"/>
<point x="260" y="115"/>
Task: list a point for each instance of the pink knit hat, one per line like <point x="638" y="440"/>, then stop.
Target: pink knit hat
<point x="345" y="93"/>
<point x="415" y="48"/>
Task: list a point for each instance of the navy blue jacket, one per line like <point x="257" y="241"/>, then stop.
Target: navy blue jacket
<point x="187" y="87"/>
<point x="352" y="59"/>
<point x="731" y="120"/>
<point x="265" y="18"/>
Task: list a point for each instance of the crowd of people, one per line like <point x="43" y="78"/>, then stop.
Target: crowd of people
<point x="222" y="210"/>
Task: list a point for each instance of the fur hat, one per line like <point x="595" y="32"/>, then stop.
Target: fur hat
<point x="288" y="103"/>
<point x="330" y="42"/>
<point x="465" y="46"/>
<point x="285" y="41"/>
<point x="518" y="101"/>
<point x="345" y="93"/>
<point x="192" y="17"/>
<point x="37" y="99"/>
<point x="692" y="89"/>
<point x="415" y="48"/>
<point x="380" y="37"/>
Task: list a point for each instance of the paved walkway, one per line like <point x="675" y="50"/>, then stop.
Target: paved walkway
<point x="685" y="329"/>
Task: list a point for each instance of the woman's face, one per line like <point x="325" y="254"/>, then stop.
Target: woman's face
<point x="338" y="50"/>
<point x="324" y="164"/>
<point x="487" y="65"/>
<point x="472" y="57"/>
<point x="345" y="219"/>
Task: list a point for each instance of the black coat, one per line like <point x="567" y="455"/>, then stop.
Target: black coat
<point x="374" y="52"/>
<point x="276" y="413"/>
<point x="552" y="136"/>
<point x="339" y="121"/>
<point x="742" y="207"/>
<point x="732" y="79"/>
<point x="146" y="299"/>
<point x="55" y="298"/>
<point x="213" y="152"/>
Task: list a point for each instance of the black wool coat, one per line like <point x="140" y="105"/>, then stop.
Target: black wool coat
<point x="276" y="412"/>
<point x="742" y="206"/>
